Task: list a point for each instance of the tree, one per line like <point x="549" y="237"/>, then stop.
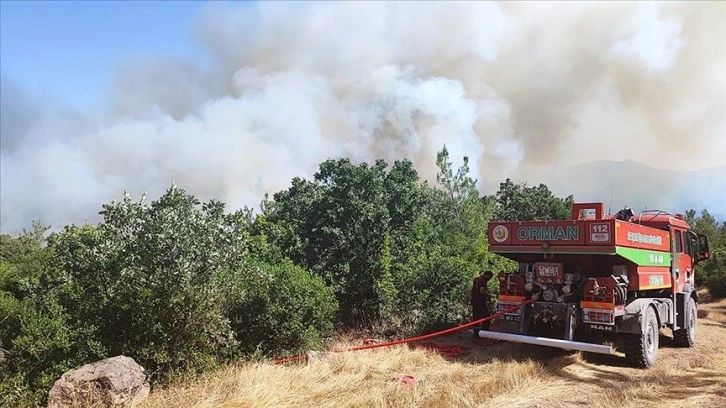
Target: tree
<point x="390" y="246"/>
<point x="146" y="278"/>
<point x="23" y="259"/>
<point x="711" y="272"/>
<point x="519" y="202"/>
<point x="457" y="248"/>
<point x="337" y="225"/>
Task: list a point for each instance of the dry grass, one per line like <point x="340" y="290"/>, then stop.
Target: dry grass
<point x="510" y="375"/>
<point x="364" y="379"/>
<point x="713" y="309"/>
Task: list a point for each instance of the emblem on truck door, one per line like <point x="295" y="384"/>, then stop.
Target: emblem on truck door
<point x="500" y="233"/>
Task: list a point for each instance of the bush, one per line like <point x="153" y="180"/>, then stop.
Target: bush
<point x="716" y="284"/>
<point x="9" y="308"/>
<point x="279" y="308"/>
<point x="715" y="273"/>
<point x="146" y="280"/>
<point x="22" y="260"/>
<point x="48" y="345"/>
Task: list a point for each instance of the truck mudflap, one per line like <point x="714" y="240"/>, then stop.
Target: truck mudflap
<point x="547" y="342"/>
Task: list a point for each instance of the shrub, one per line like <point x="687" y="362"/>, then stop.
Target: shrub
<point x="715" y="273"/>
<point x="9" y="308"/>
<point x="48" y="345"/>
<point x="279" y="308"/>
<point x="146" y="279"/>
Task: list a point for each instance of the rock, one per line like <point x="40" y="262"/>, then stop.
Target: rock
<point x="114" y="382"/>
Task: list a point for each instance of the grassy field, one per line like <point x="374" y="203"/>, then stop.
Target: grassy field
<point x="511" y="375"/>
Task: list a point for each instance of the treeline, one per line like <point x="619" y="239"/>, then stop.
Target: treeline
<point x="183" y="286"/>
<point x="711" y="272"/>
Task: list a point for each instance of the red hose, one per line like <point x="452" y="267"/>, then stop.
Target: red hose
<point x="414" y="339"/>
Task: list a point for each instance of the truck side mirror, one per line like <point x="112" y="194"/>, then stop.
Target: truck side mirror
<point x="703" y="252"/>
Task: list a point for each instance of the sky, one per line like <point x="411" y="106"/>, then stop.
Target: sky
<point x="231" y="100"/>
<point x="72" y="49"/>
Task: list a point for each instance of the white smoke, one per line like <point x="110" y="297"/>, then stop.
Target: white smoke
<point x="515" y="86"/>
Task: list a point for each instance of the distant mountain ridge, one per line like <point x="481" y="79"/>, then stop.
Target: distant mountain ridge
<point x="621" y="183"/>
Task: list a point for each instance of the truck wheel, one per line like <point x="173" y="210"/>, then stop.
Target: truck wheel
<point x="641" y="349"/>
<point x="686" y="337"/>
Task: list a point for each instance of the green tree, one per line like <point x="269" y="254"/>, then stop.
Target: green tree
<point x="146" y="277"/>
<point x="16" y="250"/>
<point x="23" y="259"/>
<point x="519" y="202"/>
<point x="337" y="223"/>
<point x="711" y="272"/>
<point x="454" y="247"/>
<point x="398" y="253"/>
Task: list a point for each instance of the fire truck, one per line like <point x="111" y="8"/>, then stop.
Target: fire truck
<point x="599" y="283"/>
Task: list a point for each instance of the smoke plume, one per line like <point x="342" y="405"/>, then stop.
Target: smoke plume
<point x="518" y="87"/>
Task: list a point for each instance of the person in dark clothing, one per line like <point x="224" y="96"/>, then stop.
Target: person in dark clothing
<point x="626" y="214"/>
<point x="480" y="296"/>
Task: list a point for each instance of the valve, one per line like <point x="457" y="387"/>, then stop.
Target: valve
<point x="549" y="294"/>
<point x="596" y="289"/>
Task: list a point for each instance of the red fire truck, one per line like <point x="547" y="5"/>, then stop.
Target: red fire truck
<point x="599" y="282"/>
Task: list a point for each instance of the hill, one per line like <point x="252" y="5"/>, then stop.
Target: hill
<point x="638" y="186"/>
<point x="511" y="375"/>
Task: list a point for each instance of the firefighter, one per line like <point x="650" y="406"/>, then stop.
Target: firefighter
<point x="480" y="298"/>
<point x="626" y="214"/>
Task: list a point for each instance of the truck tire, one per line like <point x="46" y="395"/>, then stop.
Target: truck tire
<point x="686" y="337"/>
<point x="641" y="349"/>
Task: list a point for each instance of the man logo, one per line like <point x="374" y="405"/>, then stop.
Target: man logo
<point x="500" y="233"/>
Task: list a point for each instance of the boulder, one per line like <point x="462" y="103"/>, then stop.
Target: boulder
<point x="114" y="382"/>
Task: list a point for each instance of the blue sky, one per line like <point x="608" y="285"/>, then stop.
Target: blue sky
<point x="74" y="48"/>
